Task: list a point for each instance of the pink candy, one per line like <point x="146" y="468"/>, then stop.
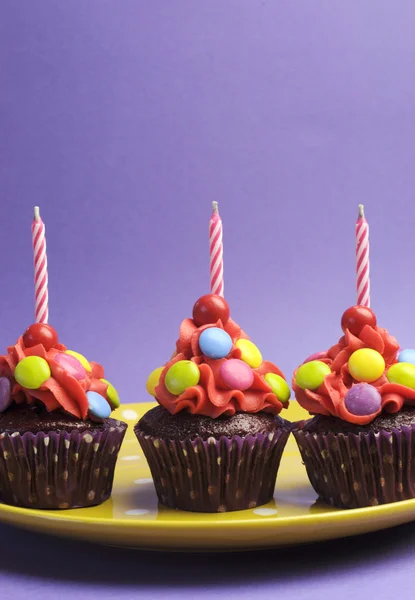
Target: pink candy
<point x="316" y="356"/>
<point x="236" y="374"/>
<point x="71" y="365"/>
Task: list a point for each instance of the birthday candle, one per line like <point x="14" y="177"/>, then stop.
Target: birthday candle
<point x="216" y="252"/>
<point x="41" y="268"/>
<point x="362" y="259"/>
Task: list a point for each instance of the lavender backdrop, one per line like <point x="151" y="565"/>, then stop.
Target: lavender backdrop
<point x="124" y="120"/>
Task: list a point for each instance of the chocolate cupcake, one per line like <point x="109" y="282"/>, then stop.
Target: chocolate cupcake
<point x="58" y="446"/>
<point x="359" y="449"/>
<point x="214" y="443"/>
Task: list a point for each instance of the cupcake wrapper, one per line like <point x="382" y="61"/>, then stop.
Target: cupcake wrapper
<point x="357" y="470"/>
<point x="214" y="475"/>
<point x="59" y="469"/>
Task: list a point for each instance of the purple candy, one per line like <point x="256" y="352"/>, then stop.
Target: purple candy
<point x="71" y="365"/>
<point x="316" y="356"/>
<point x="5" y="393"/>
<point x="363" y="399"/>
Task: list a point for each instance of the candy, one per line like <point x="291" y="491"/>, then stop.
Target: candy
<point x="98" y="406"/>
<point x="363" y="399"/>
<point x="356" y="317"/>
<point x="407" y="356"/>
<point x="40" y="333"/>
<point x="215" y="343"/>
<point x="5" y="393"/>
<point x="112" y="394"/>
<point x="279" y="386"/>
<point x="32" y="372"/>
<point x="71" y="365"/>
<point x="250" y="353"/>
<point x="402" y="373"/>
<point x="153" y="380"/>
<point x="311" y="375"/>
<point x="366" y="365"/>
<point x="81" y="359"/>
<point x="236" y="374"/>
<point x="182" y="375"/>
<point x="210" y="309"/>
<point x="316" y="356"/>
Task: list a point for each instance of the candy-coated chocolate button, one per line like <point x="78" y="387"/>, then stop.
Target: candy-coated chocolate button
<point x="81" y="359"/>
<point x="279" y="386"/>
<point x="5" y="393"/>
<point x="71" y="365"/>
<point x="182" y="375"/>
<point x="316" y="356"/>
<point x="98" y="406"/>
<point x="210" y="309"/>
<point x="40" y="333"/>
<point x="366" y="365"/>
<point x="153" y="380"/>
<point x="112" y="394"/>
<point x="250" y="353"/>
<point x="363" y="399"/>
<point x="32" y="372"/>
<point x="356" y="317"/>
<point x="311" y="374"/>
<point x="215" y="343"/>
<point x="402" y="373"/>
<point x="236" y="374"/>
<point x="407" y="356"/>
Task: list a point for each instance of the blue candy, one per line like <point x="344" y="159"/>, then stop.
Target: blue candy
<point x="407" y="356"/>
<point x="215" y="342"/>
<point x="98" y="406"/>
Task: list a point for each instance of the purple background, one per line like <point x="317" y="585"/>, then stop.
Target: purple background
<point x="123" y="120"/>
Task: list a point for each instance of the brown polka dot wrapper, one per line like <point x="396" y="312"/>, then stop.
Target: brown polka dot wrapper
<point x="59" y="469"/>
<point x="214" y="475"/>
<point x="354" y="470"/>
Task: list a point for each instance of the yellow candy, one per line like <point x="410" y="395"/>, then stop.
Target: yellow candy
<point x="402" y="373"/>
<point x="250" y="353"/>
<point x="81" y="359"/>
<point x="32" y="372"/>
<point x="311" y="375"/>
<point x="112" y="394"/>
<point x="153" y="380"/>
<point x="279" y="386"/>
<point x="366" y="365"/>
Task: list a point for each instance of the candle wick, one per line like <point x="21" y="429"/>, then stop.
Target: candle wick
<point x="361" y="211"/>
<point x="215" y="207"/>
<point x="37" y="213"/>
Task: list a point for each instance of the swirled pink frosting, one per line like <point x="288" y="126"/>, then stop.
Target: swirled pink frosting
<point x="329" y="398"/>
<point x="210" y="397"/>
<point x="61" y="391"/>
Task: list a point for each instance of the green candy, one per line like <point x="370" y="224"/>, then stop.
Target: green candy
<point x="182" y="375"/>
<point x="112" y="394"/>
<point x="311" y="374"/>
<point x="279" y="386"/>
<point x="402" y="373"/>
<point x="32" y="372"/>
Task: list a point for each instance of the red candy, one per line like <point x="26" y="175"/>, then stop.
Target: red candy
<point x="209" y="309"/>
<point x="40" y="333"/>
<point x="356" y="317"/>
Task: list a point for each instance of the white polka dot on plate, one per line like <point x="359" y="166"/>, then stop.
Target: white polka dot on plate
<point x="135" y="457"/>
<point x="265" y="512"/>
<point x="130" y="415"/>
<point x="143" y="480"/>
<point x="136" y="512"/>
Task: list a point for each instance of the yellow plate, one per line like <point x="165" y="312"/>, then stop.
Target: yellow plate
<point x="132" y="517"/>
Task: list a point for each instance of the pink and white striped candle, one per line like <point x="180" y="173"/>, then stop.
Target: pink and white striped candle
<point x="41" y="269"/>
<point x="216" y="251"/>
<point x="362" y="259"/>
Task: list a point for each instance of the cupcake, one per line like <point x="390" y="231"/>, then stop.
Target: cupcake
<point x="359" y="448"/>
<point x="58" y="446"/>
<point x="214" y="443"/>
